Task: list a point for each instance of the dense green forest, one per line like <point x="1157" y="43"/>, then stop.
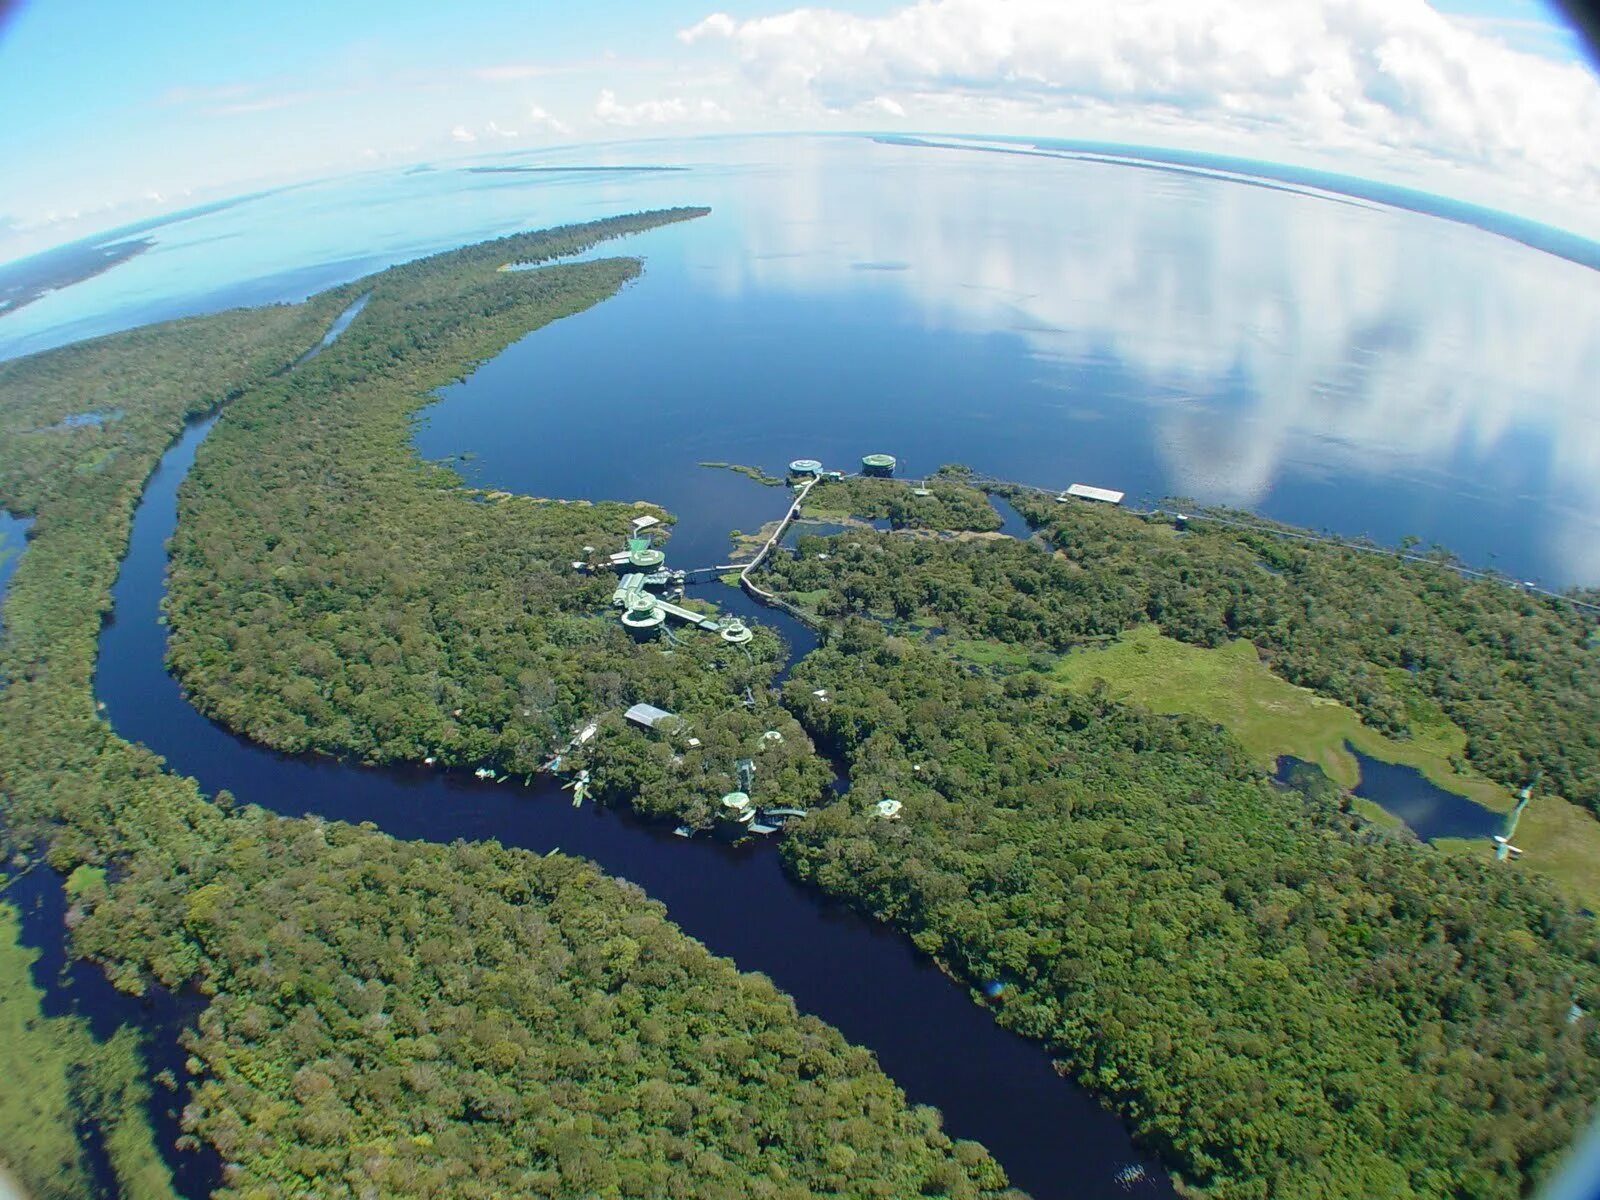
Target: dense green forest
<point x="56" y="1075"/>
<point x="1519" y="673"/>
<point x="952" y="503"/>
<point x="388" y="1017"/>
<point x="331" y="591"/>
<point x="1282" y="1002"/>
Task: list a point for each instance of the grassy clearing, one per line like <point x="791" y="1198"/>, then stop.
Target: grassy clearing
<point x="1559" y="840"/>
<point x="809" y="600"/>
<point x="1232" y="686"/>
<point x="1271" y="717"/>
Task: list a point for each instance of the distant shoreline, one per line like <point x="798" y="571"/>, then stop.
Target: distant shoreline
<point x="1329" y="185"/>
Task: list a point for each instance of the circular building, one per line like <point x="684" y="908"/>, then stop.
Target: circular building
<point x="877" y="464"/>
<point x="643" y="618"/>
<point x="736" y="631"/>
<point x="738" y="807"/>
<point x="648" y="559"/>
<point x="805" y="466"/>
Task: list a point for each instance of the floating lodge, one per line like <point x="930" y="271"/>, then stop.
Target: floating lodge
<point x="648" y="595"/>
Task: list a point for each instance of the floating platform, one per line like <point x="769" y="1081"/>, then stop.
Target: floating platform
<point x="1084" y="491"/>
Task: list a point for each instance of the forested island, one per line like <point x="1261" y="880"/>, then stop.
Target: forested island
<point x="381" y="1016"/>
<point x="1281" y="998"/>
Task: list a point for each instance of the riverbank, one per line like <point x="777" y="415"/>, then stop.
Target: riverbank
<point x="1011" y="799"/>
<point x="171" y="911"/>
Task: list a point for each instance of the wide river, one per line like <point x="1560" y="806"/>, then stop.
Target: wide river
<point x="1340" y="365"/>
<point x="1328" y="361"/>
<point x="930" y="1036"/>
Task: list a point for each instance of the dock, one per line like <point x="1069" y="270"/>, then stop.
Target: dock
<point x="759" y="592"/>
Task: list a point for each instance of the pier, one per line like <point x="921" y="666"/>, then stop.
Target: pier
<point x="755" y="589"/>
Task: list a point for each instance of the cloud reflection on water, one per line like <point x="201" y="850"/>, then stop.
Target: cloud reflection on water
<point x="1270" y="335"/>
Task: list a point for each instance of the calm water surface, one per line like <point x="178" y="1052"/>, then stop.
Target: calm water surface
<point x="13" y="537"/>
<point x="1051" y="1137"/>
<point x="1429" y="810"/>
<point x="1339" y="365"/>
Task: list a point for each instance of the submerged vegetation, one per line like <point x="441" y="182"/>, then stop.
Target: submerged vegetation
<point x="60" y="1083"/>
<point x="389" y="1017"/>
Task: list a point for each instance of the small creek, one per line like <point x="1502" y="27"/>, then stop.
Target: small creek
<point x="13" y="538"/>
<point x="339" y="325"/>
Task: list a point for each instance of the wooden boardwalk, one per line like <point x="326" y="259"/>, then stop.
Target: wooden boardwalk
<point x="759" y="592"/>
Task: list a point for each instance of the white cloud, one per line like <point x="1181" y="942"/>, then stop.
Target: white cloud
<point x="716" y="25"/>
<point x="462" y="134"/>
<point x="509" y="72"/>
<point x="1388" y="80"/>
<point x="541" y="118"/>
<point x="675" y="110"/>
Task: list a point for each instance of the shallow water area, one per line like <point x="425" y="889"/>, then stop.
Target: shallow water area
<point x="76" y="987"/>
<point x="1428" y="810"/>
<point x="13" y="539"/>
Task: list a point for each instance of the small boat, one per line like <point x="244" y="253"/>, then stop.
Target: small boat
<point x="484" y="773"/>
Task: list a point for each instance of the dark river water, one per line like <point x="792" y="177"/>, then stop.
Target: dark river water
<point x="1342" y="366"/>
<point x="1051" y="1137"/>
<point x="1337" y="364"/>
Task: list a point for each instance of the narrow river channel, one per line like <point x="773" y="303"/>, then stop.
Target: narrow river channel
<point x="1053" y="1139"/>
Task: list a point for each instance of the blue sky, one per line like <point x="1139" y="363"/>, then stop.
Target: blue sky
<point x="113" y="111"/>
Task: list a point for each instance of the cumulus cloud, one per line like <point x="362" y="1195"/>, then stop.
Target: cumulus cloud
<point x="675" y="110"/>
<point x="1389" y="78"/>
<point x="541" y="118"/>
<point x="462" y="134"/>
